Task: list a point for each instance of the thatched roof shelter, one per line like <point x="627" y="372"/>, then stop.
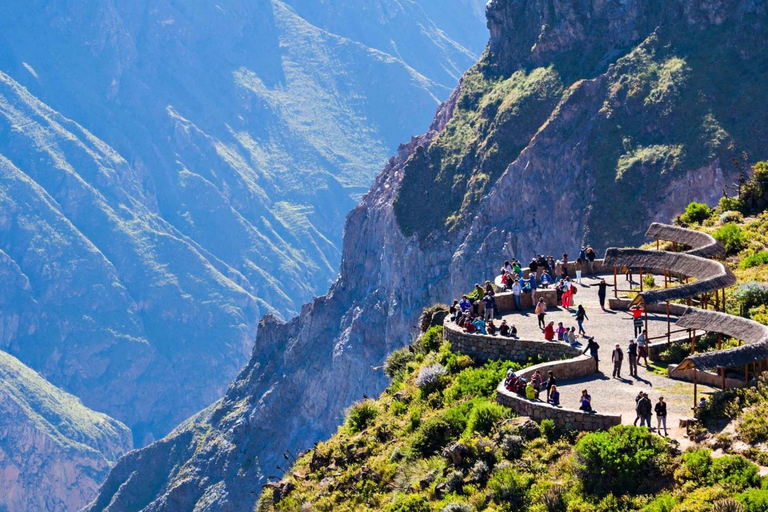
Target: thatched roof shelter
<point x="702" y="244"/>
<point x="754" y="335"/>
<point x="710" y="275"/>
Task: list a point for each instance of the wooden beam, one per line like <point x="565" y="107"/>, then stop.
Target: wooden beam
<point x="615" y="283"/>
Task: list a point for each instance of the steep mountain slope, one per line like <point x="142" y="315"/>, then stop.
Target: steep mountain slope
<point x="581" y="122"/>
<point x="54" y="452"/>
<point x="190" y="165"/>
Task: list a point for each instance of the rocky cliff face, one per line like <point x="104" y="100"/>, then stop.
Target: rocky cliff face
<point x="586" y="128"/>
<point x="54" y="452"/>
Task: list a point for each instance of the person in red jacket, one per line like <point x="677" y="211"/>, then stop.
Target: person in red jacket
<point x="549" y="331"/>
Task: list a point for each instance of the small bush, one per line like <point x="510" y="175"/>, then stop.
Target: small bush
<point x="361" y="415"/>
<point x="735" y="472"/>
<point x="696" y="213"/>
<point x="484" y="416"/>
<point x="625" y="459"/>
<point x="434" y="434"/>
<point x="752" y="295"/>
<point x="754" y="500"/>
<point x="509" y="486"/>
<point x="753" y="427"/>
<point x="430" y="378"/>
<point x="548" y="429"/>
<point x="512" y="446"/>
<point x="648" y="281"/>
<point x="727" y="204"/>
<point x="479" y="382"/>
<point x="409" y="503"/>
<point x="431" y="340"/>
<point x="732" y="237"/>
<point x="396" y="364"/>
<point x="759" y="314"/>
<point x="674" y="353"/>
<point x="664" y="502"/>
<point x="457" y="507"/>
<point x="695" y="469"/>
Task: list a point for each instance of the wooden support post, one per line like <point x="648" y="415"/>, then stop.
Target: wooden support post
<point x="615" y="283"/>
<point x="689" y="299"/>
<point x="695" y="390"/>
<point x="641" y="280"/>
<point x="693" y="342"/>
<point x="657" y="244"/>
<point x="645" y="312"/>
<point x="717" y="300"/>
<point x="666" y="278"/>
<point x="669" y="326"/>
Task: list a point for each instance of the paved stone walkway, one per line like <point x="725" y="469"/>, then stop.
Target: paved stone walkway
<point x="609" y="395"/>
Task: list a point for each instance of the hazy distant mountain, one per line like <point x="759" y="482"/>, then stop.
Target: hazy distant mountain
<point x="172" y="170"/>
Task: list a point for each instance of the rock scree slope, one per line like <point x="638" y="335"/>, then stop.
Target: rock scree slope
<point x="605" y="117"/>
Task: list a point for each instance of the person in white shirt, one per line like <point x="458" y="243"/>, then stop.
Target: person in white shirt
<point x="517" y="291"/>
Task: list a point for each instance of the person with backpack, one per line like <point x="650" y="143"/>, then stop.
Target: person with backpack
<point x="568" y="289"/>
<point x="541" y="312"/>
<point x="617" y="357"/>
<point x="643" y="410"/>
<point x="637" y="318"/>
<point x="581" y="315"/>
<point x="661" y="415"/>
<point x="632" y="356"/>
<point x="593" y="348"/>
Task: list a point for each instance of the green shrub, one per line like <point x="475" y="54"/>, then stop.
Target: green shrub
<point x="759" y="314"/>
<point x="752" y="295"/>
<point x="431" y="340"/>
<point x="649" y="282"/>
<point x="695" y="469"/>
<point x="702" y="500"/>
<point x="625" y="459"/>
<point x="434" y="434"/>
<point x="509" y="487"/>
<point x="484" y="416"/>
<point x="753" y="427"/>
<point x="548" y="429"/>
<point x="409" y="503"/>
<point x="732" y="237"/>
<point x="361" y="415"/>
<point x="735" y="472"/>
<point x="479" y="382"/>
<point x="396" y="364"/>
<point x="727" y="204"/>
<point x="696" y="213"/>
<point x="674" y="353"/>
<point x="664" y="502"/>
<point x="754" y="500"/>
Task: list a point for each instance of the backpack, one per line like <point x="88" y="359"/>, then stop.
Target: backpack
<point x="573" y="289"/>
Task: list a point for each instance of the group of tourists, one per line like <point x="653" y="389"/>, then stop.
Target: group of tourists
<point x="531" y="388"/>
<point x="645" y="411"/>
<point x="636" y="349"/>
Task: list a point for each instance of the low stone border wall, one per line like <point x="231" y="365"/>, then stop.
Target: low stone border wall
<point x="485" y="347"/>
<point x="566" y="418"/>
<point x="703" y="377"/>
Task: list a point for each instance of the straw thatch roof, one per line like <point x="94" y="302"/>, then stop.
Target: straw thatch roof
<point x="710" y="275"/>
<point x="755" y="336"/>
<point x="702" y="244"/>
<point x="732" y="357"/>
<point x="737" y="327"/>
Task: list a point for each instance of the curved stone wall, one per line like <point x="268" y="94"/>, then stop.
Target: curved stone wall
<point x="485" y="347"/>
<point x="564" y="417"/>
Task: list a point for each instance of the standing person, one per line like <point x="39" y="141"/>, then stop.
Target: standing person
<point x="632" y="356"/>
<point x="637" y="401"/>
<point x="637" y="318"/>
<point x="644" y="410"/>
<point x="533" y="268"/>
<point x="642" y="346"/>
<point x="586" y="401"/>
<point x="488" y="301"/>
<point x="517" y="269"/>
<point x="591" y="256"/>
<point x="567" y="292"/>
<point x="617" y="357"/>
<point x="517" y="292"/>
<point x="593" y="348"/>
<point x="602" y="286"/>
<point x="579" y="268"/>
<point x="564" y="267"/>
<point x="541" y="312"/>
<point x="661" y="415"/>
<point x="550" y="383"/>
<point x="581" y="315"/>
